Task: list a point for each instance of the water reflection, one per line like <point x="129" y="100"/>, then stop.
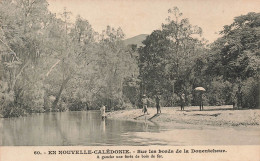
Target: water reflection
<point x="69" y="128"/>
<point x="87" y="128"/>
<point x="145" y="126"/>
<point x="103" y="126"/>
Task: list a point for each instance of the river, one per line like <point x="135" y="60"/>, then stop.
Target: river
<point x="87" y="128"/>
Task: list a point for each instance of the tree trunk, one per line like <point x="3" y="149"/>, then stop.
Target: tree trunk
<point x="55" y="103"/>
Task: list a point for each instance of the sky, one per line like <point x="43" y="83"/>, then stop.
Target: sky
<point x="143" y="16"/>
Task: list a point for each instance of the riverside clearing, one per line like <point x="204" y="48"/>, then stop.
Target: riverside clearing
<point x="212" y="115"/>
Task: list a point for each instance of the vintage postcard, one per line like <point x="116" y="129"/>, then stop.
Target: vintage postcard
<point x="129" y="80"/>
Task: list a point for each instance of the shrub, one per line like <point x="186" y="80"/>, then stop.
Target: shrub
<point x="250" y="90"/>
<point x="127" y="106"/>
<point x="219" y="92"/>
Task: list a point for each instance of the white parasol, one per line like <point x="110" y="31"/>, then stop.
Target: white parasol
<point x="52" y="98"/>
<point x="200" y="89"/>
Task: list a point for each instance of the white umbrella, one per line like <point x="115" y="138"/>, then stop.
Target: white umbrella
<point x="200" y="89"/>
<point x="52" y="98"/>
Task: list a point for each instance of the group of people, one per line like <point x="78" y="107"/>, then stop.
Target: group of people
<point x="145" y="104"/>
<point x="183" y="102"/>
<point x="236" y="104"/>
<point x="158" y="98"/>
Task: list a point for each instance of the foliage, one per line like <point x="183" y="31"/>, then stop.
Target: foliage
<point x="167" y="58"/>
<point x="236" y="57"/>
<point x="131" y="90"/>
<point x="49" y="63"/>
<point x="251" y="93"/>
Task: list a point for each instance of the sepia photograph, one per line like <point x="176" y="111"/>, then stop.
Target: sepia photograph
<point x="129" y="73"/>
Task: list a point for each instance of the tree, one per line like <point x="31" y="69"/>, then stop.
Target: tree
<point x="240" y="54"/>
<point x="166" y="59"/>
<point x="49" y="63"/>
<point x="114" y="62"/>
<point x="237" y="53"/>
<point x="22" y="25"/>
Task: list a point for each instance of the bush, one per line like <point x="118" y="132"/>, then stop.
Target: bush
<point x="219" y="92"/>
<point x="127" y="106"/>
<point x="12" y="111"/>
<point x="77" y="106"/>
<point x="8" y="109"/>
<point x="131" y="90"/>
<point x="33" y="98"/>
<point x="250" y="90"/>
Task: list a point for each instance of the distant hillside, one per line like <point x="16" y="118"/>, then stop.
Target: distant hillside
<point x="136" y="40"/>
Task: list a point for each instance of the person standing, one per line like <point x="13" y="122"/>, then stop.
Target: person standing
<point x="234" y="100"/>
<point x="239" y="98"/>
<point x="145" y="103"/>
<point x="182" y="101"/>
<point x="201" y="101"/>
<point x="103" y="112"/>
<point x="158" y="107"/>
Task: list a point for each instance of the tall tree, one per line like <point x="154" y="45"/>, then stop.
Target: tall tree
<point x="237" y="52"/>
<point x="166" y="58"/>
<point x="22" y="27"/>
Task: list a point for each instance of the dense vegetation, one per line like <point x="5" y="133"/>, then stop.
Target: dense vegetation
<point x="49" y="63"/>
<point x="176" y="60"/>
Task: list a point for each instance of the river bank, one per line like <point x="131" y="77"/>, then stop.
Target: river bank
<point x="223" y="116"/>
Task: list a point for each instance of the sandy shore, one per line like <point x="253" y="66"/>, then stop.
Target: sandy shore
<point x="223" y="116"/>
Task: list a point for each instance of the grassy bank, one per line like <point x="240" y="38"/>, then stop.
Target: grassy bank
<point x="212" y="115"/>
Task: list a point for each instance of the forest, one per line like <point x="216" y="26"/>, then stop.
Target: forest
<point x="49" y="62"/>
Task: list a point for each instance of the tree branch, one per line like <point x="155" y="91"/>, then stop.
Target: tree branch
<point x="8" y="45"/>
<point x="52" y="68"/>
